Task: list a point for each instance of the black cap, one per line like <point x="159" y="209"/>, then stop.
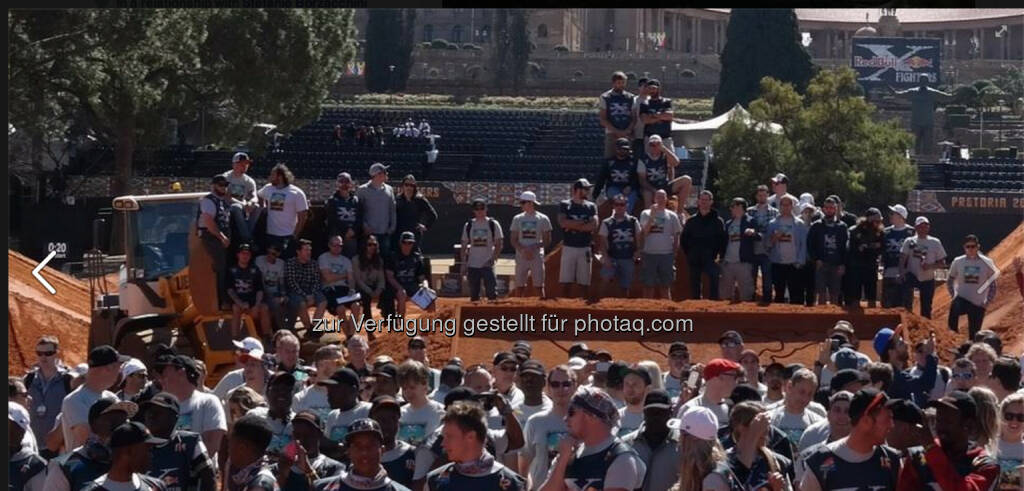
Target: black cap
<point x="108" y="404"/>
<point x="383" y="401"/>
<point x="364" y="425"/>
<point x="342" y="376"/>
<point x="503" y="356"/>
<point x="387" y="370"/>
<point x="658" y="398"/>
<point x="165" y="400"/>
<point x="186" y="363"/>
<point x="102" y="356"/>
<point x="907" y="411"/>
<point x="532" y="366"/>
<point x="960" y="401"/>
<point x="582" y="183"/>
<point x="780" y="177"/>
<point x="847" y="376"/>
<point x="522" y="344"/>
<point x="865" y="398"/>
<point x="616" y="372"/>
<point x="653" y="83"/>
<point x="244" y="246"/>
<point x="408" y="237"/>
<point x="282" y="377"/>
<point x="678" y="346"/>
<point x="873" y="212"/>
<point x="132" y="433"/>
<point x="793" y="368"/>
<point x="603" y="353"/>
<point x="577" y="348"/>
<point x="478" y="202"/>
<point x="744" y="392"/>
<point x="731" y="336"/>
<point x="219" y="179"/>
<point x="623" y="143"/>
<point x="638" y="372"/>
<point x="417" y="341"/>
<point x="457" y="394"/>
<point x="311" y="418"/>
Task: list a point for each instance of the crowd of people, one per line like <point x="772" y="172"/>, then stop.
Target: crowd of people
<point x="346" y="421"/>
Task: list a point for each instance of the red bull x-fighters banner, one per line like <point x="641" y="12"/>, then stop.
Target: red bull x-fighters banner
<point x="897" y="62"/>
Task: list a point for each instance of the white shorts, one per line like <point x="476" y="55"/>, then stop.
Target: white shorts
<point x="575" y="266"/>
<point x="530" y="267"/>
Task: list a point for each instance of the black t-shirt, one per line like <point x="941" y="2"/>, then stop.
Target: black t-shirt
<point x="178" y="462"/>
<point x="409" y="270"/>
<point x="655" y="106"/>
<point x="245" y="282"/>
<point x="579" y="212"/>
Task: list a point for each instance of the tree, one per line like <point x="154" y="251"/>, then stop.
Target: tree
<point x="122" y="73"/>
<point x="519" y="46"/>
<point x="500" y="50"/>
<point x="830" y="144"/>
<point x="760" y="43"/>
<point x="389" y="43"/>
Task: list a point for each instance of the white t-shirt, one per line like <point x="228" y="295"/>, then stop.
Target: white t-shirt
<point x="793" y="425"/>
<point x="720" y="409"/>
<point x="75" y="410"/>
<point x="542" y="433"/>
<point x="1010" y="456"/>
<point x="337" y="265"/>
<point x="663" y="234"/>
<point x="273" y="275"/>
<point x="481" y="244"/>
<point x="416" y="424"/>
<point x="968" y="275"/>
<point x="629" y="421"/>
<point x="283" y="208"/>
<point x="337" y="422"/>
<point x="922" y="251"/>
<point x="523" y="411"/>
<point x="312" y="398"/>
<point x="201" y="412"/>
<point x="530" y="229"/>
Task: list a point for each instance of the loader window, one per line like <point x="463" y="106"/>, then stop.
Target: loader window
<point x="160" y="232"/>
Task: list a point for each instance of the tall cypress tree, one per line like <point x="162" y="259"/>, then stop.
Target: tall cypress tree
<point x="519" y="46"/>
<point x="500" y="48"/>
<point x="389" y="42"/>
<point x="760" y="43"/>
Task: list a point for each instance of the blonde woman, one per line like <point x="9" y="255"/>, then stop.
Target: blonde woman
<point x="984" y="357"/>
<point x="1010" y="447"/>
<point x="654" y="371"/>
<point x="986" y="431"/>
<point x="702" y="461"/>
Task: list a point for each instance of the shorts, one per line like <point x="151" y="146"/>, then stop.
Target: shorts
<point x="527" y="267"/>
<point x="295" y="299"/>
<point x="620" y="269"/>
<point x="658" y="269"/>
<point x="333" y="293"/>
<point x="575" y="266"/>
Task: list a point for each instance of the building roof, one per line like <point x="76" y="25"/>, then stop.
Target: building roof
<point x="906" y="16"/>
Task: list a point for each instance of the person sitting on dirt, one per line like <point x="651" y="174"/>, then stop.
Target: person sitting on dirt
<point x="26" y="470"/>
<point x="74" y="470"/>
<point x="274" y="290"/>
<point x="301" y="469"/>
<point x="338" y="279"/>
<point x="245" y="288"/>
<point x="130" y="446"/>
<point x="247" y="468"/>
<point x="343" y="397"/>
<point x="304" y="287"/>
<point x="201" y="412"/>
<point x="368" y="268"/>
<point x="618" y="242"/>
<point x="407" y="273"/>
<point x="183" y="459"/>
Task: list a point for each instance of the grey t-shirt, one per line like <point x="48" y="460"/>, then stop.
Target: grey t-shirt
<point x="75" y="410"/>
<point x="793" y="425"/>
<point x="337" y="422"/>
<point x="720" y="409"/>
<point x="201" y="412"/>
<point x="922" y="251"/>
<point x="273" y="276"/>
<point x="337" y="265"/>
<point x="481" y="244"/>
<point x="814" y="434"/>
<point x="542" y="433"/>
<point x="968" y="275"/>
<point x="242" y="188"/>
<point x="416" y="424"/>
<point x="312" y="398"/>
<point x="786" y="246"/>
<point x="664" y="231"/>
<point x="732" y="250"/>
<point x="629" y="421"/>
<point x="530" y="229"/>
<point x="230" y="380"/>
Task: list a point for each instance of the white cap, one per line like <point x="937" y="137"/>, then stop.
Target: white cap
<point x="529" y="196"/>
<point x="899" y="210"/>
<point x="248" y="344"/>
<point x="377" y="168"/>
<point x="698" y="421"/>
<point x="577" y="363"/>
<point x="17" y="413"/>
<point x="806" y="198"/>
<point x="921" y="220"/>
<point x="253" y="353"/>
<point x="132" y="366"/>
<point x="654" y="138"/>
<point x="80" y="369"/>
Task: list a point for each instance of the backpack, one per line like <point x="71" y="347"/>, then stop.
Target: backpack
<point x="66" y="376"/>
<point x="490" y="223"/>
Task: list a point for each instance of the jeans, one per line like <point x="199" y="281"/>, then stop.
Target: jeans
<point x="696" y="270"/>
<point x="787" y="276"/>
<point x="826" y="283"/>
<point x="764" y="264"/>
<point x="863" y="284"/>
<point x="975" y="316"/>
<point x="243" y="226"/>
<point x="384" y="244"/>
<point x="485" y="274"/>
<point x="286" y="244"/>
<point x="892" y="293"/>
<point x="927" y="289"/>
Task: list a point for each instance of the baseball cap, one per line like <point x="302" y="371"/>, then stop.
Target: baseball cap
<point x="623" y="143"/>
<point x="582" y="183"/>
<point x="958" y="400"/>
<point x="109" y="404"/>
<point x="387" y="369"/>
<point x="532" y="366"/>
<point x="248" y="344"/>
<point x="104" y="355"/>
<point x="503" y="356"/>
<point x="219" y="179"/>
<point x="408" y="237"/>
<point x="457" y="394"/>
<point x="165" y="400"/>
<point x="698" y="421"/>
<point x="311" y="418"/>
<point x="658" y="398"/>
<point x="603" y="354"/>
<point x="846" y="358"/>
<point x="364" y="425"/>
<point x="377" y="168"/>
<point x="873" y="212"/>
<point x="780" y="177"/>
<point x="616" y="371"/>
<point x="132" y="433"/>
<point x="417" y="342"/>
<point x="731" y="336"/>
<point x="844" y="327"/>
<point x="523" y="343"/>
<point x="342" y="376"/>
<point x="678" y="346"/>
<point x="744" y="392"/>
<point x="882" y="339"/>
<point x="17" y="413"/>
<point x="577" y="348"/>
<point x="597" y="403"/>
<point x="344" y="177"/>
<point x="244" y="246"/>
<point x="240" y="157"/>
<point x="907" y="411"/>
<point x="654" y="138"/>
<point x="899" y="210"/>
<point x="920" y="220"/>
<point x="653" y="83"/>
<point x="634" y="370"/>
<point x="719" y="366"/>
<point x="281" y="377"/>
<point x="382" y="359"/>
<point x="576" y="363"/>
<point x="385" y="400"/>
<point x="865" y="400"/>
<point x="409" y="179"/>
<point x="529" y="196"/>
<point x="131" y="366"/>
<point x="253" y="354"/>
<point x="847" y="376"/>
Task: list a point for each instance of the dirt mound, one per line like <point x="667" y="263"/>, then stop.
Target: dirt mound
<point x="34" y="312"/>
<point x="1006" y="310"/>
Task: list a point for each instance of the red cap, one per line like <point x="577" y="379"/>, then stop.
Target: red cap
<point x="719" y="366"/>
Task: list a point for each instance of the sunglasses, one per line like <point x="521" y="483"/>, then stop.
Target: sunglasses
<point x="45" y="353"/>
<point x="729" y="344"/>
<point x="1008" y="416"/>
<point x="479" y="208"/>
<point x="508" y="367"/>
<point x="965" y="375"/>
<point x="560" y="385"/>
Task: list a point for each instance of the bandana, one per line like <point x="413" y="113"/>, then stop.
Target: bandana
<point x="360" y="482"/>
<point x="245" y="474"/>
<point x="476" y="468"/>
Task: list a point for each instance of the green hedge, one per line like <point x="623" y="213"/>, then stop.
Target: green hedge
<point x="683" y="108"/>
<point x="958" y="120"/>
<point x="956" y="109"/>
<point x="981" y="153"/>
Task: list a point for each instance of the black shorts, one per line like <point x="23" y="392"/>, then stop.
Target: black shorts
<point x="334" y="293"/>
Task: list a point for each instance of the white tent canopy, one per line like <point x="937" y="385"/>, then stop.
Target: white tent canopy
<point x="698" y="135"/>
